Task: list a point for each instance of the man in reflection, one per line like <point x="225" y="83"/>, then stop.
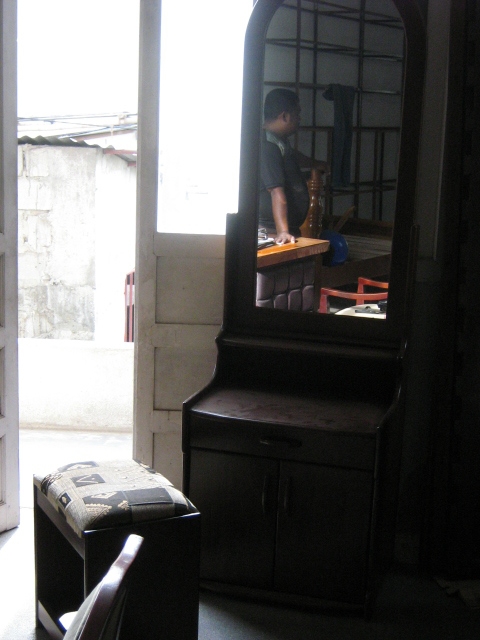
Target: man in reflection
<point x="284" y="195"/>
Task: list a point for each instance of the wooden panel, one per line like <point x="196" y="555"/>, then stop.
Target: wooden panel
<point x="323" y="532"/>
<point x="283" y="442"/>
<point x="236" y="496"/>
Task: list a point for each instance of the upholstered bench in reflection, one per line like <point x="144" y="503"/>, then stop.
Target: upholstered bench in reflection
<point x="287" y="286"/>
<point x="84" y="512"/>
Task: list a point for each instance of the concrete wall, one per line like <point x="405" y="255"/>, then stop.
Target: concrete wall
<point x="76" y="242"/>
<point x="76" y="245"/>
<point x="76" y="384"/>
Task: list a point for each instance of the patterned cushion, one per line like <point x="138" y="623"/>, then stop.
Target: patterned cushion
<point x="97" y="495"/>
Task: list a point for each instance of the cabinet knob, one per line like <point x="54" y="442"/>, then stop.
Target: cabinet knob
<point x="266" y="504"/>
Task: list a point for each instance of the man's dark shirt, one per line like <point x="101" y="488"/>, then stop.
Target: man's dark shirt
<point x="279" y="168"/>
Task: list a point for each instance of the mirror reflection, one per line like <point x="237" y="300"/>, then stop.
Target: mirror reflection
<point x="333" y="79"/>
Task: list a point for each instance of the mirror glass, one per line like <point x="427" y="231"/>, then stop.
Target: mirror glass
<point x="344" y="60"/>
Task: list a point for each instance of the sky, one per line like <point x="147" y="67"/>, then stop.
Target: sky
<point x="200" y="112"/>
<point x="77" y="57"/>
<point x="80" y="57"/>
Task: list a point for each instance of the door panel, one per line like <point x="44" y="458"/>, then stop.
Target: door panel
<point x="9" y="482"/>
<point x="323" y="531"/>
<point x="237" y="497"/>
<point x="176" y="315"/>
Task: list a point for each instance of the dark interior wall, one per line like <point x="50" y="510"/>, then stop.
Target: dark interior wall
<point x="440" y="481"/>
<point x="452" y="540"/>
<point x="440" y="487"/>
<point x="466" y="427"/>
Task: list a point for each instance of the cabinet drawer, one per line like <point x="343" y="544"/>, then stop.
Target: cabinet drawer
<point x="324" y="430"/>
<point x="333" y="448"/>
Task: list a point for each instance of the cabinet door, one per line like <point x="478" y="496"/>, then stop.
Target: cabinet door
<point x="323" y="531"/>
<point x="237" y="498"/>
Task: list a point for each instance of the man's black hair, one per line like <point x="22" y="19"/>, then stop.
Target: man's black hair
<point x="278" y="101"/>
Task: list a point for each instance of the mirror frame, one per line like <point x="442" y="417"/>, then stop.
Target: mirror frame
<point x="241" y="316"/>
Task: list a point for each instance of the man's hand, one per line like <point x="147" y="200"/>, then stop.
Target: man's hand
<point x="284" y="238"/>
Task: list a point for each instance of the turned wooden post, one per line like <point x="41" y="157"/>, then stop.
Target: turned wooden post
<point x="312" y="226"/>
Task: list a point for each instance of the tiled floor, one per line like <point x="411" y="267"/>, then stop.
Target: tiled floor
<point x="408" y="607"/>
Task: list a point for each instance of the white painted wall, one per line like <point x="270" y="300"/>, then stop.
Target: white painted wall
<point x="115" y="206"/>
<point x="76" y="384"/>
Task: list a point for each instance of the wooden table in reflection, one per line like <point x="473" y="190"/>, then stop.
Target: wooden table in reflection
<point x="288" y="275"/>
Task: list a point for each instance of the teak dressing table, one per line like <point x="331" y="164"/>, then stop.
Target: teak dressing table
<point x="292" y="451"/>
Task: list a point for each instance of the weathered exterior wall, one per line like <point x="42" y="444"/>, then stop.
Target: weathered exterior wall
<point x="76" y="215"/>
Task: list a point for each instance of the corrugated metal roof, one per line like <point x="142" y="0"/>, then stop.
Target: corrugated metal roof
<point x="99" y="129"/>
<point x="55" y="141"/>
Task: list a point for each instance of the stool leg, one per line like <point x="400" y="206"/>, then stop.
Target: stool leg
<point x="58" y="572"/>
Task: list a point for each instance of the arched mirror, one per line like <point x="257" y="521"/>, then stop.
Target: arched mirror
<point x="356" y="67"/>
<point x="344" y="63"/>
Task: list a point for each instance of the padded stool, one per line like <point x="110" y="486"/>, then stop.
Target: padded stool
<point x="83" y="513"/>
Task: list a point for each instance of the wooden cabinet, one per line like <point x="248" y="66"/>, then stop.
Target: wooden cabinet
<point x="238" y="494"/>
<point x="323" y="531"/>
<point x="285" y="486"/>
<point x="291" y="527"/>
<point x="292" y="452"/>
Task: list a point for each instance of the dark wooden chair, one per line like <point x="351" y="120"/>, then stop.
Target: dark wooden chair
<point x="100" y="616"/>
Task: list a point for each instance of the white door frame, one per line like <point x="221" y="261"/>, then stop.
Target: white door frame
<point x="9" y="412"/>
<point x="145" y="260"/>
<point x="177" y="314"/>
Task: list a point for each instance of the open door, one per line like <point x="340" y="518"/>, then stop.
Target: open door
<point x="9" y="475"/>
<point x="177" y="316"/>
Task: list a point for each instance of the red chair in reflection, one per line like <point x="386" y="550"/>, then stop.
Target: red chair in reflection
<point x="359" y="297"/>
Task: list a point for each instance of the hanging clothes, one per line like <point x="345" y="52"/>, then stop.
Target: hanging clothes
<point x="343" y="99"/>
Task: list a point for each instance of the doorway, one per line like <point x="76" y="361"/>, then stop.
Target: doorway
<point x="76" y="113"/>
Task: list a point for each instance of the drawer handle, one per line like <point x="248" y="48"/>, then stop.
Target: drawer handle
<point x="281" y="442"/>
